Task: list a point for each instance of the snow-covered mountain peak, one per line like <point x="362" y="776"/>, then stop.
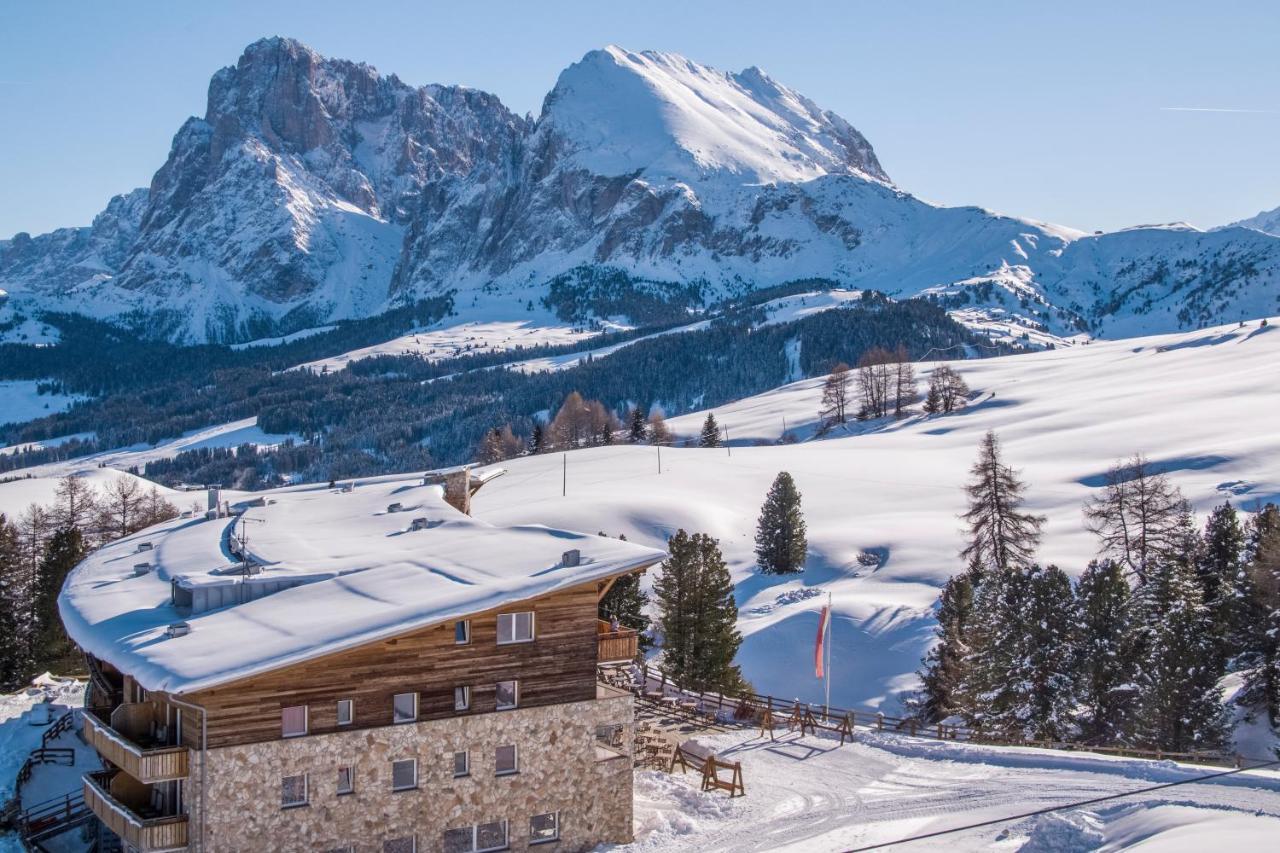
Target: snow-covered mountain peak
<point x="621" y="112"/>
<point x="1268" y="222"/>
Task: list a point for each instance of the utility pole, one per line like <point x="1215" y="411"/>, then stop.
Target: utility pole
<point x="726" y="440"/>
<point x="659" y="446"/>
<point x="564" y="477"/>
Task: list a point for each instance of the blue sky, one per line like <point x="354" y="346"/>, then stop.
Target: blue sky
<point x="1054" y="112"/>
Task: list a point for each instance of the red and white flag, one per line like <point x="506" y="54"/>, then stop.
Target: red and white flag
<point x="818" y="647"/>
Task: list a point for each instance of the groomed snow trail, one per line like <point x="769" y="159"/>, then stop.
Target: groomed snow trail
<point x="812" y="794"/>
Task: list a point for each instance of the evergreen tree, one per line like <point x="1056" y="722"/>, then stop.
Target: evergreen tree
<point x="637" y="430"/>
<point x="537" y="440"/>
<point x="15" y="611"/>
<point x="1041" y="678"/>
<point x="1000" y="535"/>
<point x="54" y="649"/>
<point x="1106" y="653"/>
<point x="987" y="699"/>
<point x="626" y="601"/>
<point x="710" y="436"/>
<point x="698" y="616"/>
<point x="933" y="399"/>
<point x="781" y="546"/>
<point x="1224" y="580"/>
<point x="1179" y="703"/>
<point x="944" y="664"/>
<point x="1262" y="680"/>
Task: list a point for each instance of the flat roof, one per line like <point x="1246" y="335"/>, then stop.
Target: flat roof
<point x="365" y="574"/>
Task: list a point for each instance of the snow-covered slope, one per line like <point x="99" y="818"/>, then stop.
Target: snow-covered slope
<point x="1268" y="222"/>
<point x="316" y="189"/>
<point x="882" y="504"/>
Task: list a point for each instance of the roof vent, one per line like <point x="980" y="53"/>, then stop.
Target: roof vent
<point x="141" y="569"/>
<point x="394" y="507"/>
<point x="144" y="546"/>
<point x="178" y="629"/>
<point x="419" y="524"/>
<point x="571" y="558"/>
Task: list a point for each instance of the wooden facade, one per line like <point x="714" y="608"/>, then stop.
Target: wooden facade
<point x="159" y="764"/>
<point x="558" y="666"/>
<point x="145" y="834"/>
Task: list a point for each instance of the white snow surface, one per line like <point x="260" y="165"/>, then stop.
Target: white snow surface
<point x="366" y="576"/>
<point x="21" y="402"/>
<point x="813" y="795"/>
<point x="881" y="499"/>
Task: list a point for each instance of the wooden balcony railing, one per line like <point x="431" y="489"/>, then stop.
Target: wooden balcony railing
<point x="144" y="834"/>
<point x="615" y="646"/>
<point x="146" y="764"/>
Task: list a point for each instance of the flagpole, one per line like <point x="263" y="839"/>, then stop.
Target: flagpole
<point x="826" y="670"/>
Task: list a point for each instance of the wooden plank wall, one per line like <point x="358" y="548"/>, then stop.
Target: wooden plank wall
<point x="558" y="666"/>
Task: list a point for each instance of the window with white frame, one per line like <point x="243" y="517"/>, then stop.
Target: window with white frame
<point x="407" y="844"/>
<point x="293" y="791"/>
<point x="346" y="780"/>
<point x="461" y="698"/>
<point x="476" y="839"/>
<point x="515" y="627"/>
<point x="404" y="707"/>
<point x="461" y="763"/>
<point x="544" y="827"/>
<point x="462" y="632"/>
<point x="293" y="721"/>
<point x="404" y="774"/>
<point x="346" y="712"/>
<point x="506" y="760"/>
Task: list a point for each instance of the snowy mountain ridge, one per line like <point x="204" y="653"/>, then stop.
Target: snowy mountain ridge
<point x="317" y="189"/>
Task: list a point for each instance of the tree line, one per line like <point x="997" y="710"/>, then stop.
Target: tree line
<point x="37" y="551"/>
<point x="1134" y="651"/>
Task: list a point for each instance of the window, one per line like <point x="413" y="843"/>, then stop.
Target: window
<point x="293" y="791"/>
<point x="491" y="836"/>
<point x="461" y="764"/>
<point x="610" y="737"/>
<point x="508" y="695"/>
<point x="346" y="780"/>
<point x="404" y="707"/>
<point x="409" y="844"/>
<point x="515" y="627"/>
<point x="346" y="712"/>
<point x="461" y="698"/>
<point x="476" y="839"/>
<point x="404" y="774"/>
<point x="462" y="632"/>
<point x="505" y="760"/>
<point x="293" y="721"/>
<point x="544" y="827"/>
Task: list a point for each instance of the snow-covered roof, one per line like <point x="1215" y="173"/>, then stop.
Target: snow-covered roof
<point x="365" y="574"/>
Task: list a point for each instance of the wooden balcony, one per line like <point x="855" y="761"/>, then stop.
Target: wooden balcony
<point x="144" y="761"/>
<point x="167" y="832"/>
<point x="615" y="646"/>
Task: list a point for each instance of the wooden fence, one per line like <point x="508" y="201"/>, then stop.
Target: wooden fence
<point x="771" y="713"/>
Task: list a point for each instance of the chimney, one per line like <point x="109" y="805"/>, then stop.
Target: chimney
<point x="571" y="558"/>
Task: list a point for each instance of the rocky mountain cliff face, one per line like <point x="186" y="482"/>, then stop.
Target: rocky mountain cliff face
<point x="316" y="189"/>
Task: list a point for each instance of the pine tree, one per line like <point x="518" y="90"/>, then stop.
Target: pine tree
<point x="987" y="699"/>
<point x="637" y="432"/>
<point x="698" y="616"/>
<point x="710" y="436"/>
<point x="1179" y="705"/>
<point x="1106" y="653"/>
<point x="933" y="399"/>
<point x="54" y="649"/>
<point x="1000" y="535"/>
<point x="1262" y="680"/>
<point x="781" y="546"/>
<point x="944" y="664"/>
<point x="15" y="611"/>
<point x="627" y="601"/>
<point x="1224" y="580"/>
<point x="835" y="396"/>
<point x="1041" y="678"/>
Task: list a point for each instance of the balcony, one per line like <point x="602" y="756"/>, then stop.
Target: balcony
<point x="131" y="745"/>
<point x="615" y="646"/>
<point x="123" y="805"/>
